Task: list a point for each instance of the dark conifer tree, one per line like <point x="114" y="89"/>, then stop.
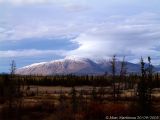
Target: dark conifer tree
<point x="113" y="69"/>
<point x="123" y="71"/>
<point x="94" y="94"/>
<point x="74" y="100"/>
<point x="143" y="89"/>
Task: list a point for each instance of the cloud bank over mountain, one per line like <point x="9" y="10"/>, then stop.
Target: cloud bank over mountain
<point x="133" y="36"/>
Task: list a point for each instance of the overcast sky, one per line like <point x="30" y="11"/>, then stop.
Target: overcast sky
<point x="42" y="30"/>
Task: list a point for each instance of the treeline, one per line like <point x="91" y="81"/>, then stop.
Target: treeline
<point x="72" y="80"/>
<point x="61" y="80"/>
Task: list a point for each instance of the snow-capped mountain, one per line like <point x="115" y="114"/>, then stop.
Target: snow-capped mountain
<point x="74" y="65"/>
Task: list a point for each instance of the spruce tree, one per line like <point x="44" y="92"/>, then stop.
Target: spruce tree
<point x="74" y="99"/>
<point x="113" y="69"/>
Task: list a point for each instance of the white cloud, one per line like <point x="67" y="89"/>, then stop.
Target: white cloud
<point x="135" y="36"/>
<point x="75" y="7"/>
<point x="45" y="29"/>
<point x="30" y="53"/>
<point x="20" y="2"/>
<point x="27" y="2"/>
<point x="21" y="32"/>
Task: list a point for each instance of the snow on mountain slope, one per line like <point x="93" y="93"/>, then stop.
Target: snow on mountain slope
<point x="73" y="65"/>
<point x="64" y="66"/>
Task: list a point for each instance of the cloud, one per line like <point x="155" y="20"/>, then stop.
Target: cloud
<point x="42" y="29"/>
<point x="76" y="7"/>
<point x="30" y="2"/>
<point x="30" y="53"/>
<point x="22" y="2"/>
<point x="133" y="36"/>
<point x="21" y="32"/>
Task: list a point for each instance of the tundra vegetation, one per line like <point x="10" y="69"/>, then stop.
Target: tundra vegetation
<point x="71" y="97"/>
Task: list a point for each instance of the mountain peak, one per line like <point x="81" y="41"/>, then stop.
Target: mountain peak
<point x="76" y="58"/>
<point x="75" y="65"/>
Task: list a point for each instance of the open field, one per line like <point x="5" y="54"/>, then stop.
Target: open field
<point x="81" y="98"/>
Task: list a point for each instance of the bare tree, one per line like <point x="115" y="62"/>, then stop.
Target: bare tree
<point x="13" y="67"/>
<point x="12" y="84"/>
<point x="123" y="70"/>
<point x="15" y="96"/>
